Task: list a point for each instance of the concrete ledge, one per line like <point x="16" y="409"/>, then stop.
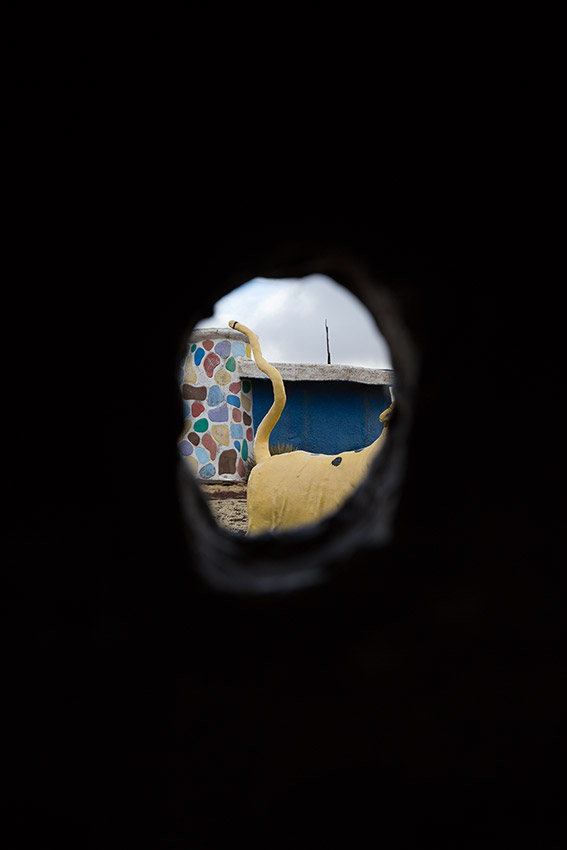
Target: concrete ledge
<point x="246" y="368"/>
<point x="318" y="372"/>
<point x="199" y="334"/>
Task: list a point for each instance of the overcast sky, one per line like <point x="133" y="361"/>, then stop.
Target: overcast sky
<point x="288" y="316"/>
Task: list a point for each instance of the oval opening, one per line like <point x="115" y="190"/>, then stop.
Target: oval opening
<point x="337" y="373"/>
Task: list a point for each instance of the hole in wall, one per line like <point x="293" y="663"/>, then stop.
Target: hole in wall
<point x="338" y="378"/>
<point x="331" y="417"/>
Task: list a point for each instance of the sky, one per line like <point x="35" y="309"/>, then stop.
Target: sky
<point x="288" y="317"/>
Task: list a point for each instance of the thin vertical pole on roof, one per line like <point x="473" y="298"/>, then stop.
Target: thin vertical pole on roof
<point x="328" y="349"/>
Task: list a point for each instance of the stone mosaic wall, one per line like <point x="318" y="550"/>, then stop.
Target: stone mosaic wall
<point x="218" y="435"/>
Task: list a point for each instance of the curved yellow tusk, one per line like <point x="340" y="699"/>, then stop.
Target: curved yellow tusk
<point x="262" y="441"/>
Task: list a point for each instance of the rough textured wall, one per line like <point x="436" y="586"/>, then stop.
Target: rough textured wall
<point x="324" y="416"/>
<point x="305" y="719"/>
<point x="217" y="435"/>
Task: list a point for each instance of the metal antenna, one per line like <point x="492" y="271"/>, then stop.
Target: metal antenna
<point x="328" y="349"/>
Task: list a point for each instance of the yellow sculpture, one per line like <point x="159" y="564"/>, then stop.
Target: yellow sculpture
<point x="298" y="488"/>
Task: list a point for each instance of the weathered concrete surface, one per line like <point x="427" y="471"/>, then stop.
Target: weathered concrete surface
<point x="319" y="372"/>
<point x="199" y="334"/>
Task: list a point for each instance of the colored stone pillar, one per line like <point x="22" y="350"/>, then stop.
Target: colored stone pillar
<point x="213" y="441"/>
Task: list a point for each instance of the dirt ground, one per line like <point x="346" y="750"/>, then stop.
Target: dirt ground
<point x="227" y="503"/>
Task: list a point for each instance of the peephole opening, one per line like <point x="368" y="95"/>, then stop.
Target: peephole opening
<point x="287" y="392"/>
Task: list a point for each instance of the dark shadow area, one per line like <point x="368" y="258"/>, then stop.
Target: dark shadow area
<point x="413" y="689"/>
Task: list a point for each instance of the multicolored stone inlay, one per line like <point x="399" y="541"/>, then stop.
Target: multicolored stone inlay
<point x="217" y="437"/>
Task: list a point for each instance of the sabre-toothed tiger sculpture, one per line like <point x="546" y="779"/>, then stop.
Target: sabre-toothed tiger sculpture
<point x="298" y="488"/>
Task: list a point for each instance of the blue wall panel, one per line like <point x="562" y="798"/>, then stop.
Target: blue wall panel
<point x="324" y="416"/>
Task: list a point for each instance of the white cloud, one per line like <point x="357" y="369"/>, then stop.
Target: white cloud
<point x="288" y="317"/>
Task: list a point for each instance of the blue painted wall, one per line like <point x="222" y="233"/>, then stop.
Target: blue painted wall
<point x="324" y="416"/>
